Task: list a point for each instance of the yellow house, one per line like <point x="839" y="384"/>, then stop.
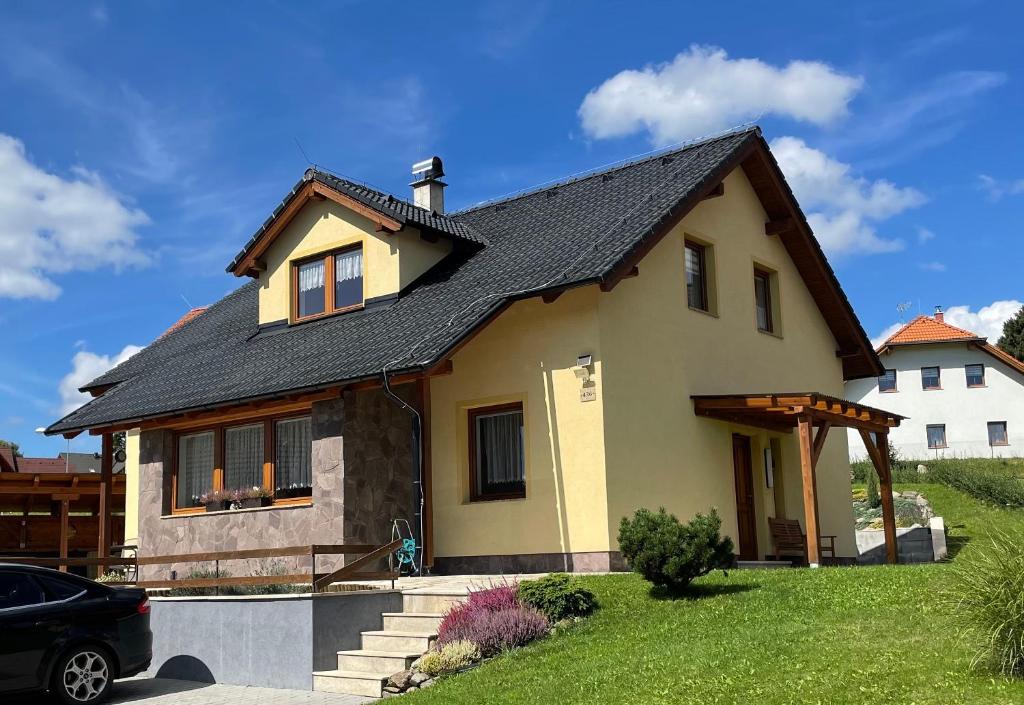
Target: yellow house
<point x="512" y="379"/>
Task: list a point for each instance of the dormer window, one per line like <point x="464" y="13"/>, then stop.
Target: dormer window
<point x="329" y="283"/>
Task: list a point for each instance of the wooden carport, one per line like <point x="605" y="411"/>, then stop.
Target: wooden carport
<point x="812" y="415"/>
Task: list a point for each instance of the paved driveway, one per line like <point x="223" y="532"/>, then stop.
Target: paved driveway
<point x="164" y="691"/>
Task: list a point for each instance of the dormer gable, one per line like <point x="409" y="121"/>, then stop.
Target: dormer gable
<point x="334" y="246"/>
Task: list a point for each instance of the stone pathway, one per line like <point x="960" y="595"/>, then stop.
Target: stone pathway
<point x="164" y="691"/>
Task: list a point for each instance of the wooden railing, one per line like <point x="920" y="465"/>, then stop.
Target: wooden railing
<point x="319" y="581"/>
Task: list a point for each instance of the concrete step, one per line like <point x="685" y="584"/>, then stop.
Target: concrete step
<point x="370" y="685"/>
<point x="399" y="641"/>
<point x="411" y="621"/>
<point x="434" y="601"/>
<point x="366" y="661"/>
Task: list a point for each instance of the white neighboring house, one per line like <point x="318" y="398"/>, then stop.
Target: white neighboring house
<point x="963" y="397"/>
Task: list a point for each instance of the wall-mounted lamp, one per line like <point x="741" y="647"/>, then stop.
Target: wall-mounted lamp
<point x="582" y="368"/>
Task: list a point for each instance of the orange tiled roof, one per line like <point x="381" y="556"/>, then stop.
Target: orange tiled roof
<point x="185" y="319"/>
<point x="925" y="329"/>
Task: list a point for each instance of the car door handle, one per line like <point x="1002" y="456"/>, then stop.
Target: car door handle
<point x="47" y="622"/>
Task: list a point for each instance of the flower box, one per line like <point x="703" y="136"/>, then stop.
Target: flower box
<point x="217" y="505"/>
<point x="256" y="502"/>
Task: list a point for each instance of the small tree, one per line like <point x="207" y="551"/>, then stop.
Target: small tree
<point x="1012" y="339"/>
<point x="10" y="444"/>
<point x="873" y="495"/>
<point x="671" y="554"/>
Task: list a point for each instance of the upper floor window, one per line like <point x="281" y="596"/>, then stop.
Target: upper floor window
<point x="330" y="283"/>
<point x="930" y="378"/>
<point x="763" y="301"/>
<point x="497" y="452"/>
<point x="696" y="276"/>
<point x="975" y="375"/>
<point x="936" y="435"/>
<point x="887" y="382"/>
<point x="997" y="433"/>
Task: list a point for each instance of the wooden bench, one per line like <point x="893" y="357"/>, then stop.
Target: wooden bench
<point x="790" y="540"/>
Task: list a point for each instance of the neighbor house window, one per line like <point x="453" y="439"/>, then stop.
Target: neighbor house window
<point x="763" y="300"/>
<point x="272" y="454"/>
<point x="887" y="382"/>
<point x="195" y="467"/>
<point x="696" y="276"/>
<point x="975" y="375"/>
<point x="997" y="433"/>
<point x="936" y="435"/>
<point x="294" y="458"/>
<point x="930" y="378"/>
<point x="497" y="452"/>
<point x="330" y="283"/>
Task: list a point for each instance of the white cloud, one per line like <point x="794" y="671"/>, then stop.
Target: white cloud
<point x="85" y="367"/>
<point x="932" y="266"/>
<point x="702" y="90"/>
<point x="847" y="205"/>
<point x="924" y="235"/>
<point x="987" y="321"/>
<point x="996" y="189"/>
<point x="52" y="225"/>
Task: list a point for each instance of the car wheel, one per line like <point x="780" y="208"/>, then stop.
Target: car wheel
<point x="84" y="674"/>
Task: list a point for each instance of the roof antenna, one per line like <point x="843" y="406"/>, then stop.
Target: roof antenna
<point x="303" y="153"/>
<point x="187" y="302"/>
<point x="902" y="308"/>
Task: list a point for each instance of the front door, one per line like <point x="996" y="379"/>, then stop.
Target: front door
<point x="746" y="520"/>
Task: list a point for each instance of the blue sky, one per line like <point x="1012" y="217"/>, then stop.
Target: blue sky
<point x="142" y="143"/>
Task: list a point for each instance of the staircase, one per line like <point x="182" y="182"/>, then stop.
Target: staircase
<point x="405" y="636"/>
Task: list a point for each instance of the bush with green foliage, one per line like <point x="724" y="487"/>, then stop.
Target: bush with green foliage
<point x="991" y="480"/>
<point x="672" y="554"/>
<point x="557" y="597"/>
<point x="988" y="596"/>
<point x="1012" y="339"/>
<point x="874" y="497"/>
<point x="453" y="656"/>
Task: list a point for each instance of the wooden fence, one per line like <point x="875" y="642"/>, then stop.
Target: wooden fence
<point x="320" y="581"/>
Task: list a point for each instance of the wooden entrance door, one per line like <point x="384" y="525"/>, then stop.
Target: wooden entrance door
<point x="746" y="519"/>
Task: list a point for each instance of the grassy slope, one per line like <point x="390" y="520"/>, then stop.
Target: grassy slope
<point x="842" y="635"/>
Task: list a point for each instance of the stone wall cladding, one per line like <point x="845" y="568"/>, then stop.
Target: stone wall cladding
<point x="362" y="479"/>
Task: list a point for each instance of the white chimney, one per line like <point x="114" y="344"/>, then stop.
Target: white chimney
<point x="427" y="187"/>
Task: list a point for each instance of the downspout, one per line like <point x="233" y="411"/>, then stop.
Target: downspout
<point x="417" y="465"/>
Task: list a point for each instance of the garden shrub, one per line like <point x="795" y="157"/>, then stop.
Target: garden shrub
<point x="672" y="554"/>
<point x="451" y="657"/>
<point x="557" y="597"/>
<point x="497" y="597"/>
<point x="988" y="596"/>
<point x="492" y="631"/>
<point x="874" y="498"/>
<point x="990" y="480"/>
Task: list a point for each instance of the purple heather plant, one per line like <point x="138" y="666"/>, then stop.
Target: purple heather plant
<point x="493" y="620"/>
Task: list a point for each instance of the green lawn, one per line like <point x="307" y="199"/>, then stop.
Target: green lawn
<point x="836" y="635"/>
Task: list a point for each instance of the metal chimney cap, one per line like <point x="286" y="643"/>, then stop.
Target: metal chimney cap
<point x="431" y="168"/>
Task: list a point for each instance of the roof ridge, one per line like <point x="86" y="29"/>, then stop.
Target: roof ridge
<point x="924" y="319"/>
<point x="606" y="169"/>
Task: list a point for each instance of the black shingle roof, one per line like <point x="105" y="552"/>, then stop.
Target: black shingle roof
<point x="568" y="234"/>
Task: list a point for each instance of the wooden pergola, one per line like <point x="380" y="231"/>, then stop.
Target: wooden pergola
<point x="812" y="415"/>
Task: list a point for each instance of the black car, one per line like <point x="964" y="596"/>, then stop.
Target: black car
<point x="69" y="635"/>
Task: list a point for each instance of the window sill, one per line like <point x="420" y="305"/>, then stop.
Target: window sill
<point x="937" y="447"/>
<point x="888" y="391"/>
<point x="931" y="389"/>
<point x="328" y="314"/>
<point x="497" y="498"/>
<point x="998" y="445"/>
<point x="711" y="314"/>
<point x="977" y="386"/>
<point x="770" y="333"/>
<point x="280" y="504"/>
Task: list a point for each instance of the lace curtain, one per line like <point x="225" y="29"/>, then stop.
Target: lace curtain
<point x="500" y="449"/>
<point x="243" y="457"/>
<point x="294" y="449"/>
<point x="195" y="467"/>
<point x="348" y="278"/>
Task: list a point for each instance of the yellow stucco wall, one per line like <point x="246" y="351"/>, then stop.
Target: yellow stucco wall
<point x="526" y="355"/>
<point x="390" y="261"/>
<point x="131" y="491"/>
<point x="640" y="444"/>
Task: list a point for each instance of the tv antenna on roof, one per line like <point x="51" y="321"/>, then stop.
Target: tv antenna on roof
<point x="902" y="308"/>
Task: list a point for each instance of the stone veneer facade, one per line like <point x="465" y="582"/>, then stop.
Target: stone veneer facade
<point x="362" y="480"/>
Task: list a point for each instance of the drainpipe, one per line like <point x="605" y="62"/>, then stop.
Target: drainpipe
<point x="417" y="466"/>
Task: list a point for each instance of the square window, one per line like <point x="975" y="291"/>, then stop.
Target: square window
<point x="936" y="435"/>
<point x="497" y="452"/>
<point x="997" y="434"/>
<point x="348" y="279"/>
<point x="763" y="301"/>
<point x="312" y="294"/>
<point x="887" y="382"/>
<point x="293" y="461"/>
<point x="696" y="276"/>
<point x="930" y="378"/>
<point x="243" y="457"/>
<point x="975" y="375"/>
<point x="195" y="468"/>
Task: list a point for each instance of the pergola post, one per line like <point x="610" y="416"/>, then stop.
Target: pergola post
<point x="805" y="430"/>
<point x="65" y="510"/>
<point x="878" y="450"/>
<point x="106" y="499"/>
